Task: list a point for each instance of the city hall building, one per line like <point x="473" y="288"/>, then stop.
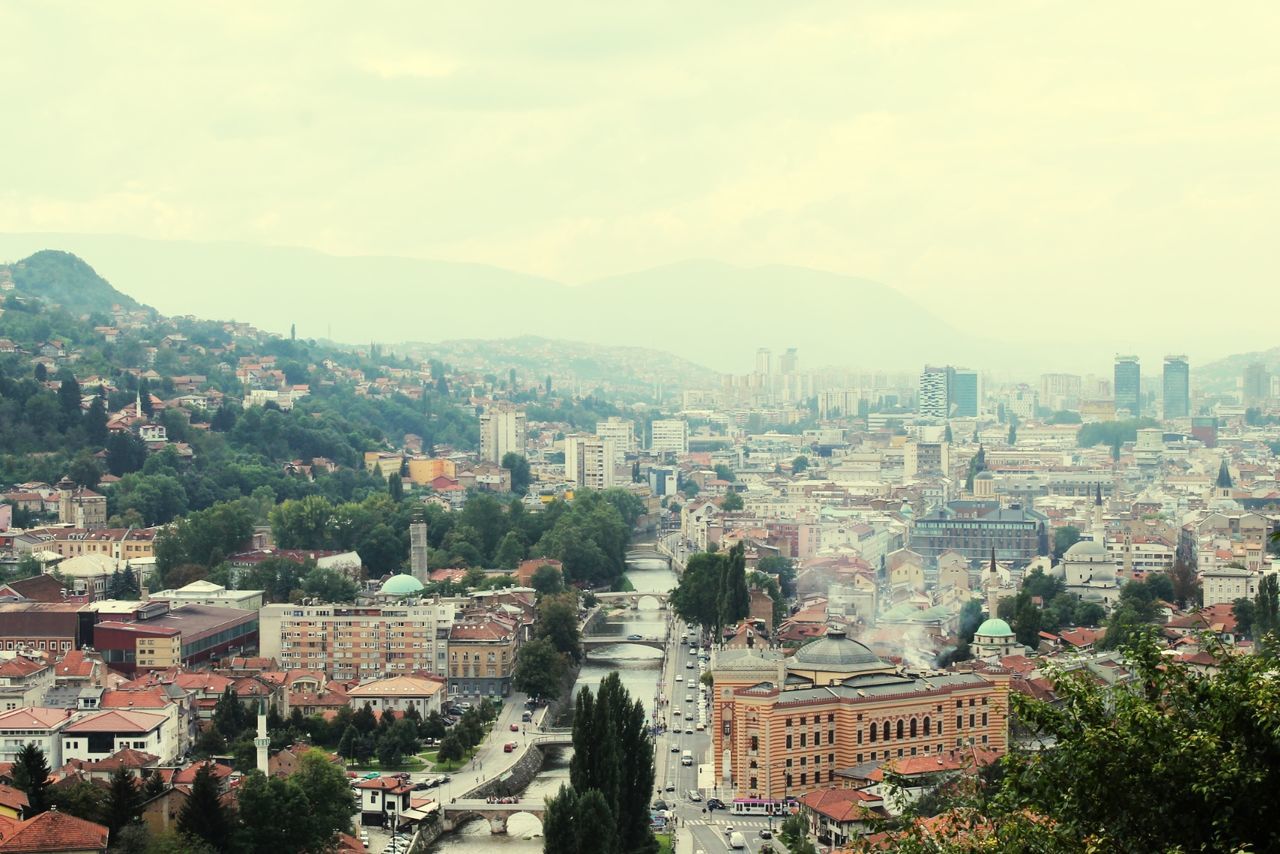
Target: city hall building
<point x="785" y="726"/>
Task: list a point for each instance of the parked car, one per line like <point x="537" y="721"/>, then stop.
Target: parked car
<point x="694" y="796"/>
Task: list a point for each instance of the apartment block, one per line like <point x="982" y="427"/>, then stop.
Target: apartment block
<point x="357" y="642"/>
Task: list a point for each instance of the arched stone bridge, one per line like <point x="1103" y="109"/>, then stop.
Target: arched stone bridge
<point x="634" y="598"/>
<point x="459" y="812"/>
<point x="595" y="642"/>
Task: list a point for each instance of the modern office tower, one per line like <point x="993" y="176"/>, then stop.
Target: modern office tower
<point x="502" y="431"/>
<point x="588" y="461"/>
<point x="764" y="361"/>
<point x="670" y="436"/>
<point x="1257" y="384"/>
<point x="966" y="393"/>
<point x="1128" y="386"/>
<point x="623" y="434"/>
<point x="790" y="361"/>
<point x="1177" y="387"/>
<point x="935" y="392"/>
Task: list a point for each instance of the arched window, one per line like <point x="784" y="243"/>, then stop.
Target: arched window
<point x="899" y="729"/>
<point x="926" y="725"/>
<point x="871" y="733"/>
<point x="886" y="730"/>
<point x="913" y="727"/>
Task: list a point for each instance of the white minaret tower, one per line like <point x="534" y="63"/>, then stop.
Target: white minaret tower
<point x="992" y="583"/>
<point x="262" y="742"/>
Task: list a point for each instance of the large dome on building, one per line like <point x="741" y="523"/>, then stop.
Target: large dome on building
<point x="836" y="653"/>
<point x="1087" y="551"/>
<point x="994" y="628"/>
<point x="400" y="585"/>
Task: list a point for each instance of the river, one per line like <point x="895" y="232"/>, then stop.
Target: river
<point x="639" y="668"/>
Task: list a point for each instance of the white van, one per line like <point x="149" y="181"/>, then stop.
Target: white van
<point x="686" y="758"/>
<point x="737" y="840"/>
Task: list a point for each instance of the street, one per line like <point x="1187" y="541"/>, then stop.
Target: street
<point x="704" y="830"/>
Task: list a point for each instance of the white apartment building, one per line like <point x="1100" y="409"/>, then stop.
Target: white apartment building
<point x="935" y="392"/>
<point x="670" y="435"/>
<point x="589" y="461"/>
<point x="43" y="726"/>
<point x="502" y="431"/>
<point x="623" y="435"/>
<point x="358" y="642"/>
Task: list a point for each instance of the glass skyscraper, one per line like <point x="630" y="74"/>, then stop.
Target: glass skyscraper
<point x="1177" y="387"/>
<point x="1128" y="386"/>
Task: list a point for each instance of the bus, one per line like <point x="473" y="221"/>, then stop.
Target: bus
<point x="764" y="806"/>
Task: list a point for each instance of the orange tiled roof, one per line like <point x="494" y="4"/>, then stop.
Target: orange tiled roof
<point x="54" y="831"/>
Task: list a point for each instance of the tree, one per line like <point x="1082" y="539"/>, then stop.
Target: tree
<point x="723" y="472"/>
<point x="1064" y="538"/>
<point x="734" y="597"/>
<point x="592" y="813"/>
<point x="799" y="464"/>
<point x="451" y="748"/>
<point x="273" y="815"/>
<point x="1146" y="740"/>
<point x="1013" y="430"/>
<point x="31" y="775"/>
<point x="203" y="815"/>
<point x="1245" y="611"/>
<point x="1267" y="606"/>
<point x="329" y="585"/>
<point x="558" y="623"/>
<point x="732" y="501"/>
<point x="559" y="832"/>
<point x="539" y="670"/>
<point x="1186" y="582"/>
<point x="68" y="404"/>
<point x="123" y="803"/>
<point x="519" y="468"/>
<point x="395" y="487"/>
<point x="510" y="551"/>
<point x="547" y="580"/>
<point x="613" y="755"/>
<point x="346" y="744"/>
<point x="328" y="796"/>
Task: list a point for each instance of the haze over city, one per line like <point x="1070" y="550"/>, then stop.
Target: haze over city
<point x="1050" y="175"/>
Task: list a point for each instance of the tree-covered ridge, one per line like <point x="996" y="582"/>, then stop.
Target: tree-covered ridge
<point x="64" y="377"/>
<point x="62" y="278"/>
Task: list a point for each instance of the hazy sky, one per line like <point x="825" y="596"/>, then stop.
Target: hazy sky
<point x="1039" y="164"/>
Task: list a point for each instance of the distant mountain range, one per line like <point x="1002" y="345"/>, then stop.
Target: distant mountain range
<point x="633" y="370"/>
<point x="705" y="312"/>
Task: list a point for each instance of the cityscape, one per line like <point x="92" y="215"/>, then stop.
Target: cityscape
<point x="627" y="431"/>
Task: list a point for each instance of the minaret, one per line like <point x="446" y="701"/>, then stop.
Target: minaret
<point x="992" y="584"/>
<point x="1099" y="530"/>
<point x="262" y="742"/>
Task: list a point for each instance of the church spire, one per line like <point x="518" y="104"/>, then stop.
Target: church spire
<point x="1224" y="475"/>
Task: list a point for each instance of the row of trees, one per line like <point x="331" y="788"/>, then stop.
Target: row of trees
<point x="605" y="809"/>
<point x="543" y="663"/>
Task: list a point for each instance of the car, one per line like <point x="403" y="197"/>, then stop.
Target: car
<point x="700" y="727"/>
<point x="688" y="665"/>
<point x="688" y="731"/>
<point x="635" y="637"/>
<point x="737" y="840"/>
<point x="766" y="833"/>
<point x="688" y="698"/>
<point x="675" y="713"/>
<point x="509" y="747"/>
<point x="421" y="787"/>
<point x="527" y="717"/>
<point x="675" y="748"/>
<point x="679" y="678"/>
<point x="670" y="788"/>
<point x="694" y="796"/>
<point x="728" y="829"/>
<point x="659" y="805"/>
<point x="515" y="727"/>
<point x="715" y="804"/>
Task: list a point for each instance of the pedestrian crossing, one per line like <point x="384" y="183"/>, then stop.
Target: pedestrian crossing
<point x="737" y="823"/>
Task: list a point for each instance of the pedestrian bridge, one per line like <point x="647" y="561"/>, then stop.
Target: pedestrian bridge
<point x="459" y="812"/>
<point x="557" y="737"/>
<point x="597" y="642"/>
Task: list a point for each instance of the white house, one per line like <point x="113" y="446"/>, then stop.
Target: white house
<point x="41" y="725"/>
<point x="97" y="735"/>
<point x="399" y="693"/>
<point x="382" y="800"/>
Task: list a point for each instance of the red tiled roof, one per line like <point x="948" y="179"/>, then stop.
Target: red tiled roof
<point x="20" y="667"/>
<point x="35" y="717"/>
<point x="840" y="805"/>
<point x="117" y="721"/>
<point x="14" y="799"/>
<point x="54" y="831"/>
